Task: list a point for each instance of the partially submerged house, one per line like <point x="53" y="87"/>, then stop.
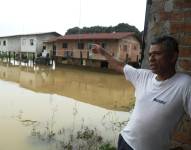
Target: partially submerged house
<point x="76" y="48"/>
<point x="26" y="43"/>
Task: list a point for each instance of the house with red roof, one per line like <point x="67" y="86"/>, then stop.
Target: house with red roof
<point x="76" y="48"/>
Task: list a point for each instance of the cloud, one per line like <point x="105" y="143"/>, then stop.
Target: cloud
<point x="21" y="16"/>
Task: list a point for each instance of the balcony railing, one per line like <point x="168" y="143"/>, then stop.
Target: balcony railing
<point x="79" y="54"/>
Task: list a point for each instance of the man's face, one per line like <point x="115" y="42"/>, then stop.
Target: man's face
<point x="159" y="60"/>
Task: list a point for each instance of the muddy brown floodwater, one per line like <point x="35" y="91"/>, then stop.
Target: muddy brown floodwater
<point x="65" y="108"/>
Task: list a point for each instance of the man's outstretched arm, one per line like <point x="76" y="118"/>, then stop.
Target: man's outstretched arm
<point x="115" y="64"/>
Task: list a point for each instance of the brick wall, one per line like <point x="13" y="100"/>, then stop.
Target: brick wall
<point x="172" y="17"/>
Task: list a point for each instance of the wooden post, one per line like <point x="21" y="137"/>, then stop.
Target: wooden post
<point x="53" y="52"/>
<point x="1" y="55"/>
<point x="7" y="57"/>
<point x="88" y="54"/>
<point x="127" y="59"/>
<point x="81" y="59"/>
<point x="27" y="59"/>
<point x="20" y="57"/>
<point x="33" y="58"/>
<point x="14" y="57"/>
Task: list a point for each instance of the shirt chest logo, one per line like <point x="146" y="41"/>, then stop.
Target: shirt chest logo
<point x="159" y="101"/>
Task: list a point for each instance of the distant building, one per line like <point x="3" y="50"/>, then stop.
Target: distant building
<point x="76" y="48"/>
<point x="10" y="43"/>
<point x="30" y="43"/>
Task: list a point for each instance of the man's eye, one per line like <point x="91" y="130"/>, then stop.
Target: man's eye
<point x="158" y="53"/>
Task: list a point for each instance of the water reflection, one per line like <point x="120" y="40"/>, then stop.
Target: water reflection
<point x="101" y="89"/>
<point x="49" y="109"/>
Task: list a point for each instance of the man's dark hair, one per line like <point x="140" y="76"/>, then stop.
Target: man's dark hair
<point x="169" y="43"/>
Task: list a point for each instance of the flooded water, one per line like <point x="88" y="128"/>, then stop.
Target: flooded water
<point x="65" y="108"/>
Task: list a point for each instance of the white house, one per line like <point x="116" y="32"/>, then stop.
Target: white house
<point x="30" y="43"/>
<point x="34" y="42"/>
<point x="10" y="43"/>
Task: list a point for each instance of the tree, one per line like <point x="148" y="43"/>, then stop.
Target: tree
<point x="121" y="27"/>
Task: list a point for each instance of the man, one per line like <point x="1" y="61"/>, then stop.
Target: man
<point x="162" y="97"/>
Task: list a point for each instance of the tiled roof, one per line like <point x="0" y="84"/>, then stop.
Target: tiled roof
<point x="94" y="36"/>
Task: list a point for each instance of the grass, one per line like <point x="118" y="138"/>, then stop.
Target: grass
<point x="84" y="139"/>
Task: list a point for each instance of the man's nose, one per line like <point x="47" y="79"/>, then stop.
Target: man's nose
<point x="151" y="57"/>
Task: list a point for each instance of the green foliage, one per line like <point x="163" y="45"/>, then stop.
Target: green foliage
<point x="107" y="146"/>
<point x="74" y="30"/>
<point x="85" y="138"/>
<point x="121" y="27"/>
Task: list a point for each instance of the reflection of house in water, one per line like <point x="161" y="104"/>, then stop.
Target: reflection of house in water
<point x="10" y="73"/>
<point x="40" y="81"/>
<point x="94" y="88"/>
<point x="86" y="86"/>
<point x="28" y="78"/>
<point x="76" y="48"/>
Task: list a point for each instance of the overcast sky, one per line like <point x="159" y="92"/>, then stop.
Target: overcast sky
<point x="35" y="16"/>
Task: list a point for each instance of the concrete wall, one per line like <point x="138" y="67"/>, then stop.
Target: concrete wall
<point x="131" y="47"/>
<point x="111" y="46"/>
<point x="12" y="44"/>
<point x="115" y="47"/>
<point x="26" y="45"/>
<point x="2" y="46"/>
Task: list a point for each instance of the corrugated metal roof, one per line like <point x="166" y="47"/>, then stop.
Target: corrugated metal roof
<point x="94" y="36"/>
<point x="32" y="34"/>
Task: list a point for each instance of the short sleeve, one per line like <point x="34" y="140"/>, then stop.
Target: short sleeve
<point x="187" y="104"/>
<point x="131" y="74"/>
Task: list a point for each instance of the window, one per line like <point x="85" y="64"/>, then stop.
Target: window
<point x="80" y="45"/>
<point x="31" y="42"/>
<point x="134" y="47"/>
<point x="23" y="41"/>
<point x="54" y="49"/>
<point x="103" y="45"/>
<point x="89" y="45"/>
<point x="65" y="45"/>
<point x="4" y="43"/>
<point x="125" y="48"/>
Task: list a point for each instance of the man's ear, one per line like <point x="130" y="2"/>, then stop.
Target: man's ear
<point x="174" y="57"/>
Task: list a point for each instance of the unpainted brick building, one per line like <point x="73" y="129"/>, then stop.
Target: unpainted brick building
<point x="172" y="17"/>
